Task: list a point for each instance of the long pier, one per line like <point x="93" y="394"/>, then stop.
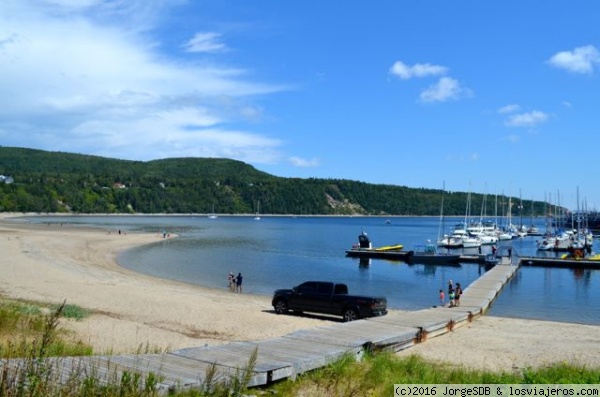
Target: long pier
<point x="295" y="353"/>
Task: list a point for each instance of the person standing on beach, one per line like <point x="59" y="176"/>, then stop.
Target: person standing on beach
<point x="451" y="297"/>
<point x="231" y="280"/>
<point x="238" y="282"/>
<point x="442" y="297"/>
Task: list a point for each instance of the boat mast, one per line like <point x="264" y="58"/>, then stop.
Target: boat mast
<point x="441" y="225"/>
<point x="520" y="211"/>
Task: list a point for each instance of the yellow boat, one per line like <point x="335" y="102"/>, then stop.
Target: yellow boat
<point x="579" y="256"/>
<point x="397" y="247"/>
<point x="365" y="243"/>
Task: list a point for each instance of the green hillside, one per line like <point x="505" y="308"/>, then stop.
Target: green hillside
<point x="45" y="181"/>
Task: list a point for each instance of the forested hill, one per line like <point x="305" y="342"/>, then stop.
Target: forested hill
<point x="41" y="181"/>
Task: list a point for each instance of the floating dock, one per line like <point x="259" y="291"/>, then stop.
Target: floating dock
<point x="560" y="262"/>
<point x="375" y="254"/>
<point x="404" y="256"/>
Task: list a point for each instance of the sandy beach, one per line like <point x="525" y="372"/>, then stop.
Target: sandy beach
<point x="131" y="311"/>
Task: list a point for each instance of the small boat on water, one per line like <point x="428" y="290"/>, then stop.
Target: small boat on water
<point x="365" y="249"/>
<point x="365" y="243"/>
<point x="505" y="255"/>
<point x="491" y="260"/>
<point x="427" y="254"/>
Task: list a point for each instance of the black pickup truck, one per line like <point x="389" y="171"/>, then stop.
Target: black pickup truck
<point x="328" y="298"/>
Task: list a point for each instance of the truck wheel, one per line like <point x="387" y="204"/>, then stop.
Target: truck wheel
<point x="281" y="307"/>
<point x="350" y="315"/>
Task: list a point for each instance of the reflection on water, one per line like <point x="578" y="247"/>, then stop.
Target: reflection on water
<point x="281" y="252"/>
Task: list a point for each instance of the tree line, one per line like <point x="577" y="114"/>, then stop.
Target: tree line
<point x="58" y="182"/>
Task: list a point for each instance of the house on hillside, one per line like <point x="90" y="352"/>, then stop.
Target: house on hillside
<point x="6" y="179"/>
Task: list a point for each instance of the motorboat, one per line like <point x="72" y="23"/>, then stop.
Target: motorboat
<point x="428" y="254"/>
<point x="365" y="249"/>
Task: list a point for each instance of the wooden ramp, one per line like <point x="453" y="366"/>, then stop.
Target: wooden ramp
<point x="292" y="354"/>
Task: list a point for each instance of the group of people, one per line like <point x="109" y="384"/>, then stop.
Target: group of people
<point x="235" y="283"/>
<point x="454" y="293"/>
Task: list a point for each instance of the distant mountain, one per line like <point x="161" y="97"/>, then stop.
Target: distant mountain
<point x="42" y="181"/>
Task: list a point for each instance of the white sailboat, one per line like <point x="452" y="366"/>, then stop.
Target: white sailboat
<point x="212" y="214"/>
<point x="257" y="217"/>
<point x="468" y="240"/>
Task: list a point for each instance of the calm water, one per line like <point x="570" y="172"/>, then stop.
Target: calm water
<point x="280" y="252"/>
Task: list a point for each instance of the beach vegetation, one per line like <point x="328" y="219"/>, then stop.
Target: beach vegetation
<point x="26" y="327"/>
<point x="73" y="311"/>
<point x="377" y="373"/>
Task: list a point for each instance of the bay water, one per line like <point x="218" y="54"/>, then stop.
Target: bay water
<point x="281" y="252"/>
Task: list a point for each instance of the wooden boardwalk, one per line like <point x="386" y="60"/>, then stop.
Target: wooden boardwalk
<point x="299" y="351"/>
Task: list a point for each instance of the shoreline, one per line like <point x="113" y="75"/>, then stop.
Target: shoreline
<point x="49" y="263"/>
<point x="133" y="311"/>
<point x="205" y="215"/>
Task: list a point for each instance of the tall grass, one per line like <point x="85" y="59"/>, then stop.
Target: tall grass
<point x="33" y="355"/>
<point x="377" y="374"/>
<point x="24" y="326"/>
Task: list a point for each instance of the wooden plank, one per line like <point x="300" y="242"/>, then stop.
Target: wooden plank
<point x="431" y="322"/>
<point x="359" y="335"/>
<point x="277" y="357"/>
<point x="341" y="337"/>
<point x="236" y="356"/>
<point x="177" y="371"/>
<point x="495" y="285"/>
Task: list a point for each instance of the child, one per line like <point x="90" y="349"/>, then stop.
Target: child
<point x="442" y="297"/>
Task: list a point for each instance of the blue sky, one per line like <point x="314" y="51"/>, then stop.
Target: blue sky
<point x="496" y="97"/>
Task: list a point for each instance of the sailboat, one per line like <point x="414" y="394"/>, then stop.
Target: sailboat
<point x="428" y="253"/>
<point x="212" y="214"/>
<point x="447" y="241"/>
<point x="460" y="231"/>
<point x="257" y="217"/>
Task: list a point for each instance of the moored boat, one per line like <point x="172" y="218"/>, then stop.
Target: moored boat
<point x="365" y="249"/>
<point x="428" y="254"/>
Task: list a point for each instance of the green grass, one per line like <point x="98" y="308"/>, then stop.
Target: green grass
<point x="29" y="336"/>
<point x="74" y="312"/>
<point x="24" y="327"/>
<point x="377" y="374"/>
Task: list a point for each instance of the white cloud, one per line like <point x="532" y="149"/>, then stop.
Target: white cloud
<point x="71" y="4"/>
<point x="406" y="72"/>
<point x="509" y="109"/>
<point x="528" y="119"/>
<point x="300" y="162"/>
<point x="205" y="42"/>
<point x="445" y="89"/>
<point x="108" y="90"/>
<point x="580" y="60"/>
